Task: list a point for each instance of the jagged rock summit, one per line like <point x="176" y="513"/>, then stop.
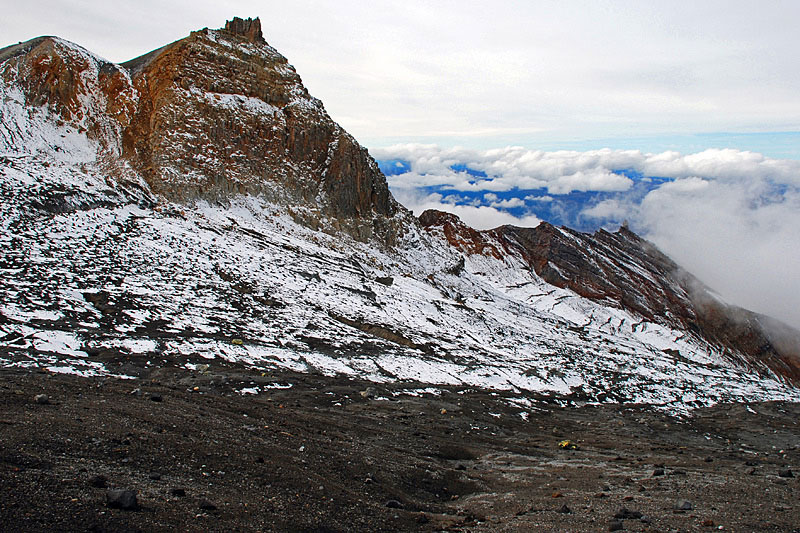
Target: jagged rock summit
<point x="249" y="28"/>
<point x="195" y="206"/>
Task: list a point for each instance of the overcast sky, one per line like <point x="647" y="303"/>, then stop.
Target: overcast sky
<point x="540" y="74"/>
<point x="511" y="83"/>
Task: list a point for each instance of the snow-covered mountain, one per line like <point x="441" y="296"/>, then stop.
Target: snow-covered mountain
<point x="195" y="205"/>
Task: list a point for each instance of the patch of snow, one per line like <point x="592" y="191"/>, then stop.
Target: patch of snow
<point x="60" y="342"/>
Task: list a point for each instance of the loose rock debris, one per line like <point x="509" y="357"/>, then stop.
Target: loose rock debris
<point x="387" y="461"/>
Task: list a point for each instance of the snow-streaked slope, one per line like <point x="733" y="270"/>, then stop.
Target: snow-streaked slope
<point x="97" y="276"/>
<point x="100" y="276"/>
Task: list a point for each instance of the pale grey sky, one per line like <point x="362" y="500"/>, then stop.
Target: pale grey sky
<point x="488" y="74"/>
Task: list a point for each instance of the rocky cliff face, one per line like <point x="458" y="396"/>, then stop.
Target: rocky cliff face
<point x="623" y="270"/>
<point x="215" y="114"/>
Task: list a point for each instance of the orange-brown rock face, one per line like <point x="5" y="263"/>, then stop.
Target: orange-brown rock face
<point x="222" y="112"/>
<point x="461" y="236"/>
<point x="79" y="88"/>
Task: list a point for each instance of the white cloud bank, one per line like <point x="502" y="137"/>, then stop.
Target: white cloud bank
<point x="563" y="171"/>
<point x="740" y="236"/>
<point x="477" y="216"/>
<point x="730" y="217"/>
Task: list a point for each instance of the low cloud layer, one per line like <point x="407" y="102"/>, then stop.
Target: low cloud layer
<point x="730" y="217"/>
<point x="740" y="236"/>
<point x="476" y="215"/>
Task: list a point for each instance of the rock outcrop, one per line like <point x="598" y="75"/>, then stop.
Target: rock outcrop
<point x="248" y="28"/>
<point x="60" y="78"/>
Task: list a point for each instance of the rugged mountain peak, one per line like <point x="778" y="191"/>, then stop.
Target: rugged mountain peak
<point x="220" y="115"/>
<point x="249" y="28"/>
<point x="109" y="255"/>
<point x="214" y="115"/>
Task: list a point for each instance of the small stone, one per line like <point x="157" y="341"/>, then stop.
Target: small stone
<point x="707" y="523"/>
<point x="156" y="398"/>
<point x="423" y="519"/>
<point x="155" y="476"/>
<point x="385" y="280"/>
<point x="626" y="514"/>
<point x="394" y="504"/>
<point x="42" y="399"/>
<point x="616" y="525"/>
<point x="564" y="509"/>
<point x="786" y="472"/>
<point x="683" y="505"/>
<point x="122" y="499"/>
<point x="658" y="472"/>
<point x="206" y="505"/>
<point x="98" y="481"/>
<point x="136" y="392"/>
<point x="709" y="459"/>
<point x="645" y="519"/>
<point x="178" y="492"/>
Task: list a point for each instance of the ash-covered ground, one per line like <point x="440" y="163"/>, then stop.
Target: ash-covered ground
<point x="317" y="453"/>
